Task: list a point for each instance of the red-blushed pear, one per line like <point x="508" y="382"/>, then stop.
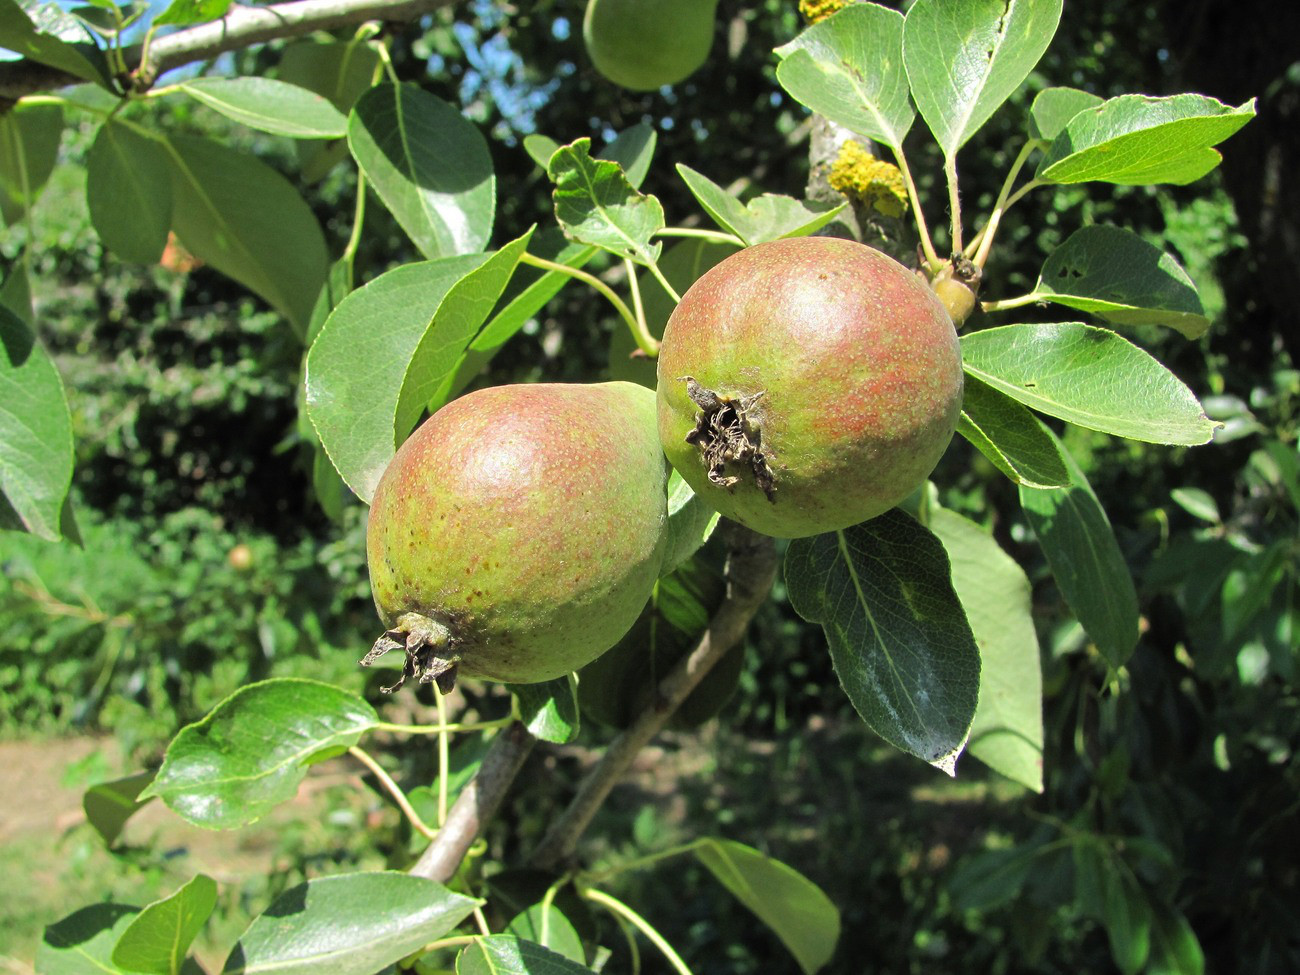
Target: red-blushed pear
<point x="642" y="45"/>
<point x="808" y="384"/>
<point x="517" y="534"/>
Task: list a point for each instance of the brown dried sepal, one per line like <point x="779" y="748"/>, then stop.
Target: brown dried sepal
<point x="429" y="652"/>
<point x="726" y="434"/>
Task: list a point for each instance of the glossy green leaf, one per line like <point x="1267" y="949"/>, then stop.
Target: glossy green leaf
<point x="429" y="165"/>
<point x="1086" y="561"/>
<point x="505" y="954"/>
<point x="1007" y="731"/>
<point x="270" y="106"/>
<point x="1175" y="949"/>
<point x="1010" y="436"/>
<point x="550" y="929"/>
<point x="1053" y="108"/>
<point x="595" y="204"/>
<point x="82" y="943"/>
<point x="549" y="709"/>
<point x="849" y="68"/>
<point x="158" y="939"/>
<point x="180" y="13"/>
<point x="902" y="648"/>
<point x="352" y="924"/>
<point x="1117" y="276"/>
<point x="796" y="909"/>
<point x="1088" y="376"/>
<point x="1137" y="140"/>
<point x="964" y="58"/>
<point x="108" y="805"/>
<point x="47" y="41"/>
<point x="766" y="217"/>
<point x="391" y="349"/>
<point x="246" y="220"/>
<point x="35" y="430"/>
<point x="250" y="752"/>
<point x="129" y="193"/>
<point x="29" y="146"/>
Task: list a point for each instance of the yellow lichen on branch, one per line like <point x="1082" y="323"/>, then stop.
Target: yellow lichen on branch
<point x="815" y="10"/>
<point x="870" y="181"/>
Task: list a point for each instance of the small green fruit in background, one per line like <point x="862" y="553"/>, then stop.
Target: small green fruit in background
<point x="646" y="44"/>
<point x="808" y="384"/>
<point x="519" y="531"/>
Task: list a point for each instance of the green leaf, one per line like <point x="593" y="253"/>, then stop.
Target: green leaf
<point x="849" y="68"/>
<point x="180" y="13"/>
<point x="391" y="349"/>
<point x="633" y="149"/>
<point x="82" y="943"/>
<point x="767" y="217"/>
<point x="1007" y="731"/>
<point x="795" y="908"/>
<point x="109" y="805"/>
<point x="247" y="221"/>
<point x="1137" y="140"/>
<point x="1053" y="109"/>
<point x="251" y="751"/>
<point x="965" y="58"/>
<point x="595" y="204"/>
<point x="338" y="70"/>
<point x="1116" y="275"/>
<point x="549" y="709"/>
<point x="1175" y="949"/>
<point x="899" y="639"/>
<point x="1010" y="436"/>
<point x="25" y="35"/>
<point x="29" y="146"/>
<point x="129" y="193"/>
<point x="690" y="523"/>
<point x="504" y="954"/>
<point x="158" y="939"/>
<point x="1088" y="376"/>
<point x="1128" y="922"/>
<point x="270" y="106"/>
<point x="428" y="164"/>
<point x="540" y="149"/>
<point x="35" y="430"/>
<point x="1086" y="560"/>
<point x="16" y="293"/>
<point x="352" y="924"/>
<point x="1197" y="503"/>
<point x="989" y="879"/>
<point x="550" y="929"/>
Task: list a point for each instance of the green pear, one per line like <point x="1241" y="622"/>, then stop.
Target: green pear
<point x="517" y="534"/>
<point x="646" y="44"/>
<point x="808" y="384"/>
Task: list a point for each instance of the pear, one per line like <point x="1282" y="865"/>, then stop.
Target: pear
<point x="517" y="534"/>
<point x="646" y="44"/>
<point x="808" y="384"/>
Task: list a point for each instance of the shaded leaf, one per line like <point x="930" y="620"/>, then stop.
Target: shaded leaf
<point x="540" y="149"/>
<point x="270" y="106"/>
<point x="36" y="450"/>
<point x="1053" y="108"/>
<point x="989" y="879"/>
<point x="504" y="954"/>
<point x="129" y="193"/>
<point x="1175" y="949"/>
<point x="429" y="165"/>
<point x="791" y="905"/>
<point x="965" y="59"/>
<point x="251" y="751"/>
<point x="1137" y="140"/>
<point x="550" y="929"/>
<point x="902" y="648"/>
<point x="1086" y="561"/>
<point x="633" y="149"/>
<point x="549" y="709"/>
<point x="849" y="68"/>
<point x="29" y="146"/>
<point x="352" y="924"/>
<point x="109" y="805"/>
<point x="1128" y="923"/>
<point x="1006" y="733"/>
<point x="690" y="523"/>
<point x="1010" y="436"/>
<point x="1088" y="376"/>
<point x="1116" y="275"/>
<point x="82" y="943"/>
<point x="595" y="204"/>
<point x="246" y="220"/>
<point x="766" y="217"/>
<point x="158" y="939"/>
<point x="340" y="71"/>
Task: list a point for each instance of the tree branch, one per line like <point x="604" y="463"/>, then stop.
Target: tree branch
<point x="242" y="27"/>
<point x="476" y="804"/>
<point x="751" y="568"/>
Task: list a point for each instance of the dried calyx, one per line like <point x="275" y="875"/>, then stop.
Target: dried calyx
<point x="727" y="434"/>
<point x="429" y="647"/>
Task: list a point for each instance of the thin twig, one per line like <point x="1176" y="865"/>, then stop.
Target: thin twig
<point x="394" y="790"/>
